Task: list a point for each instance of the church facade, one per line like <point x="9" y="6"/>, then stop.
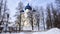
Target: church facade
<point x="29" y="18"/>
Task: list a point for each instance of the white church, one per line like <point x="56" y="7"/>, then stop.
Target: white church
<point x="30" y="18"/>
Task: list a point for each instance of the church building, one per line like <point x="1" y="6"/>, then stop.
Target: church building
<point x="29" y="18"/>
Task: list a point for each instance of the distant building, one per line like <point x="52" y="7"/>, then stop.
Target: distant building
<point x="27" y="16"/>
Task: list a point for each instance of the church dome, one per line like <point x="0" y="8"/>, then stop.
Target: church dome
<point x="28" y="7"/>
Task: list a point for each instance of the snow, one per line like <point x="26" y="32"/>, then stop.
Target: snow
<point x="54" y="31"/>
<point x="51" y="31"/>
<point x="13" y="33"/>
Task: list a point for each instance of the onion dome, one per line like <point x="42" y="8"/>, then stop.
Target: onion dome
<point x="28" y="7"/>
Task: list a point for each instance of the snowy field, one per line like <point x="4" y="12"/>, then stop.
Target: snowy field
<point x="51" y="31"/>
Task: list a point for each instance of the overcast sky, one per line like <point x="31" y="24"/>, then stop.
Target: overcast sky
<point x="12" y="4"/>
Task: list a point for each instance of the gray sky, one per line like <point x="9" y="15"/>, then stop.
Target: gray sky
<point x="12" y="4"/>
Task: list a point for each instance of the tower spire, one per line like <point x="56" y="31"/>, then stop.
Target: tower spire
<point x="28" y="4"/>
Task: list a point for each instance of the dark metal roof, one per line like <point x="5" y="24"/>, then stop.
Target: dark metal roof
<point x="22" y="11"/>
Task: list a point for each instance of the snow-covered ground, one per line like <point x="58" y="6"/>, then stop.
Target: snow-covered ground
<point x="51" y="31"/>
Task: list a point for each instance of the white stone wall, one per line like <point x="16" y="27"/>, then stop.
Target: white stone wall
<point x="26" y="19"/>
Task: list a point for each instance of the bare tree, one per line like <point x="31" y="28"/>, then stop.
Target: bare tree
<point x="19" y="13"/>
<point x="56" y="17"/>
<point x="3" y="13"/>
<point x="42" y="14"/>
<point x="58" y="4"/>
<point x="1" y="4"/>
<point x="49" y="23"/>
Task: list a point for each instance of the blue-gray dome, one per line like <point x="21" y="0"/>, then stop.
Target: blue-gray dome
<point x="28" y="7"/>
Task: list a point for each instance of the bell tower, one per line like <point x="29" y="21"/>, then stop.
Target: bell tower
<point x="28" y="9"/>
<point x="27" y="14"/>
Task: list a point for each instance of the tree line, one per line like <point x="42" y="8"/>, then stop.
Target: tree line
<point x="4" y="15"/>
<point x="52" y="15"/>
